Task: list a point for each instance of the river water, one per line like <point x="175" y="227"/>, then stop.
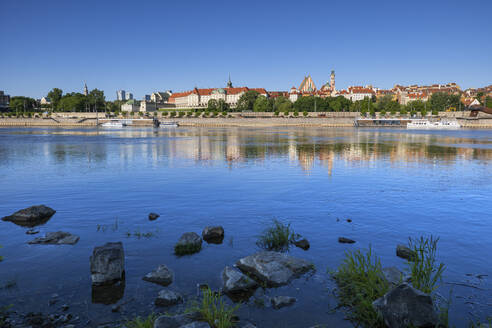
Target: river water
<point x="392" y="184"/>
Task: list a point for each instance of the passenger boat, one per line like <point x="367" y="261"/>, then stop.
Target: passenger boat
<point x="113" y="125"/>
<point x="439" y="125"/>
<point x="168" y="124"/>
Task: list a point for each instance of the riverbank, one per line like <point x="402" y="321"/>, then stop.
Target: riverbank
<point x="330" y="119"/>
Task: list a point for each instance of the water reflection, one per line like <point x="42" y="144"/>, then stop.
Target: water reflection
<point x="306" y="147"/>
<point x="108" y="294"/>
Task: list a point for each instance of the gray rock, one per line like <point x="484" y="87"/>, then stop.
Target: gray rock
<point x="213" y="235"/>
<point x="189" y="243"/>
<point x="393" y="275"/>
<point x="234" y="281"/>
<point x="56" y="238"/>
<point x="168" y="297"/>
<point x="153" y="216"/>
<point x="282" y="301"/>
<point x="107" y="264"/>
<point x="32" y="232"/>
<point x="302" y="243"/>
<point x="196" y="324"/>
<point x="344" y="240"/>
<point x="249" y="325"/>
<point x="405" y="306"/>
<point x="176" y="321"/>
<point x="405" y="253"/>
<point x="31" y="216"/>
<point x="162" y="276"/>
<point x="273" y="268"/>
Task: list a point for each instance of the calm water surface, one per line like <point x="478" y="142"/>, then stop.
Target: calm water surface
<point x="393" y="184"/>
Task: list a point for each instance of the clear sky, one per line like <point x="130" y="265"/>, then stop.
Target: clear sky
<point x="145" y="46"/>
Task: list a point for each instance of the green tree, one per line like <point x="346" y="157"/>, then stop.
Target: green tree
<point x="285" y="107"/>
<point x="442" y="101"/>
<point x="21" y="104"/>
<point x="305" y="104"/>
<point x="261" y="104"/>
<point x="96" y="99"/>
<point x="488" y="102"/>
<point x="55" y="96"/>
<point x="212" y="105"/>
<point x="247" y="100"/>
<point x="222" y="105"/>
<point x="73" y="102"/>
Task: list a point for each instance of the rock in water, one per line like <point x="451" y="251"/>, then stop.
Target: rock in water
<point x="56" y="238"/>
<point x="234" y="281"/>
<point x="213" y="235"/>
<point x="344" y="240"/>
<point x="107" y="264"/>
<point x="31" y="216"/>
<point x="189" y="243"/>
<point x="273" y="268"/>
<point x="162" y="276"/>
<point x="405" y="253"/>
<point x="405" y="306"/>
<point x="167" y="298"/>
<point x="281" y="301"/>
<point x="302" y="243"/>
<point x="176" y="321"/>
<point x="196" y="324"/>
<point x="393" y="275"/>
<point x="153" y="216"/>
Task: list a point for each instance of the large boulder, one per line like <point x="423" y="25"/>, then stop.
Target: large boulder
<point x="56" y="238"/>
<point x="31" y="216"/>
<point x="107" y="264"/>
<point x="213" y="235"/>
<point x="405" y="306"/>
<point x="274" y="268"/>
<point x="162" y="276"/>
<point x="234" y="281"/>
<point x="189" y="243"/>
<point x="168" y="297"/>
<point x="165" y="321"/>
<point x="405" y="253"/>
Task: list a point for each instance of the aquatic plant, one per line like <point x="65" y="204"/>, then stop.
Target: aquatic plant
<point x="425" y="272"/>
<point x="276" y="237"/>
<point x="360" y="282"/>
<point x="140" y="322"/>
<point x="215" y="311"/>
<point x="186" y="249"/>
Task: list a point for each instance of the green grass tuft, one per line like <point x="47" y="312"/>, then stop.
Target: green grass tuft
<point x="425" y="272"/>
<point x="187" y="249"/>
<point x="278" y="237"/>
<point x="139" y="322"/>
<point x="360" y="282"/>
<point x="215" y="311"/>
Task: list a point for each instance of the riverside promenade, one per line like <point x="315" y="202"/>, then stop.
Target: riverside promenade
<point x="328" y="119"/>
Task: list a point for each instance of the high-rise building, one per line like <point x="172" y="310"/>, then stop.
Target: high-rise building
<point x="129" y="96"/>
<point x="146" y="98"/>
<point x="4" y="100"/>
<point x="120" y="95"/>
<point x="332" y="81"/>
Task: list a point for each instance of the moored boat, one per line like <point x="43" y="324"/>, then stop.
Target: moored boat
<point x="113" y="125"/>
<point x="428" y="125"/>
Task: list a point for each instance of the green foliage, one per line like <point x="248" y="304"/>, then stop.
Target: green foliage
<point x="172" y="114"/>
<point x="276" y="113"/>
<point x="22" y="103"/>
<point x="186" y="249"/>
<point x="224" y="113"/>
<point x="286" y="113"/>
<point x="55" y="96"/>
<point x="212" y="105"/>
<point x="441" y="101"/>
<point x="360" y="282"/>
<point x="75" y="102"/>
<point x="305" y="113"/>
<point x="296" y="113"/>
<point x="139" y="322"/>
<point x="247" y="100"/>
<point x="425" y="272"/>
<point x="262" y="104"/>
<point x="215" y="311"/>
<point x="277" y="237"/>
<point x="222" y="105"/>
<point x="285" y="107"/>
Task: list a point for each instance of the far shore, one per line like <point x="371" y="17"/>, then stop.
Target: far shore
<point x="329" y="119"/>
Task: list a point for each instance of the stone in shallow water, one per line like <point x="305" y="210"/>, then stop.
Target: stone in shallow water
<point x="176" y="321"/>
<point x="344" y="240"/>
<point x="168" y="297"/>
<point x="162" y="276"/>
<point x="153" y="216"/>
<point x="392" y="275"/>
<point x="234" y="281"/>
<point x="405" y="306"/>
<point x="56" y="238"/>
<point x="405" y="253"/>
<point x="189" y="243"/>
<point x="107" y="264"/>
<point x="302" y="243"/>
<point x="274" y="268"/>
<point x="31" y="216"/>
<point x="196" y="324"/>
<point x="213" y="235"/>
<point x="282" y="301"/>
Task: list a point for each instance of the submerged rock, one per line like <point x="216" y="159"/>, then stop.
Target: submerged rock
<point x="405" y="253"/>
<point x="189" y="243"/>
<point x="274" y="268"/>
<point x="234" y="281"/>
<point x="213" y="235"/>
<point x="168" y="297"/>
<point x="32" y="232"/>
<point x="31" y="216"/>
<point x="196" y="324"/>
<point x="108" y="294"/>
<point x="176" y="321"/>
<point x="392" y="275"/>
<point x="162" y="276"/>
<point x="107" y="264"/>
<point x="302" y="243"/>
<point x="56" y="238"/>
<point x="405" y="306"/>
<point x="344" y="240"/>
<point x="153" y="216"/>
<point x="282" y="301"/>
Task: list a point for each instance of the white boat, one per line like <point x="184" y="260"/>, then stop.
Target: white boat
<point x="113" y="125"/>
<point x="428" y="125"/>
<point x="168" y="125"/>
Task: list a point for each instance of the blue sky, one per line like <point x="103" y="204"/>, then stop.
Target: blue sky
<point x="145" y="46"/>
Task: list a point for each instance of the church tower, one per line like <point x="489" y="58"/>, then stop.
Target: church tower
<point x="332" y="81"/>
<point x="86" y="91"/>
<point x="229" y="84"/>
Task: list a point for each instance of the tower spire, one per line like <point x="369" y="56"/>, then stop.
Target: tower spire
<point x="229" y="83"/>
<point x="86" y="91"/>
